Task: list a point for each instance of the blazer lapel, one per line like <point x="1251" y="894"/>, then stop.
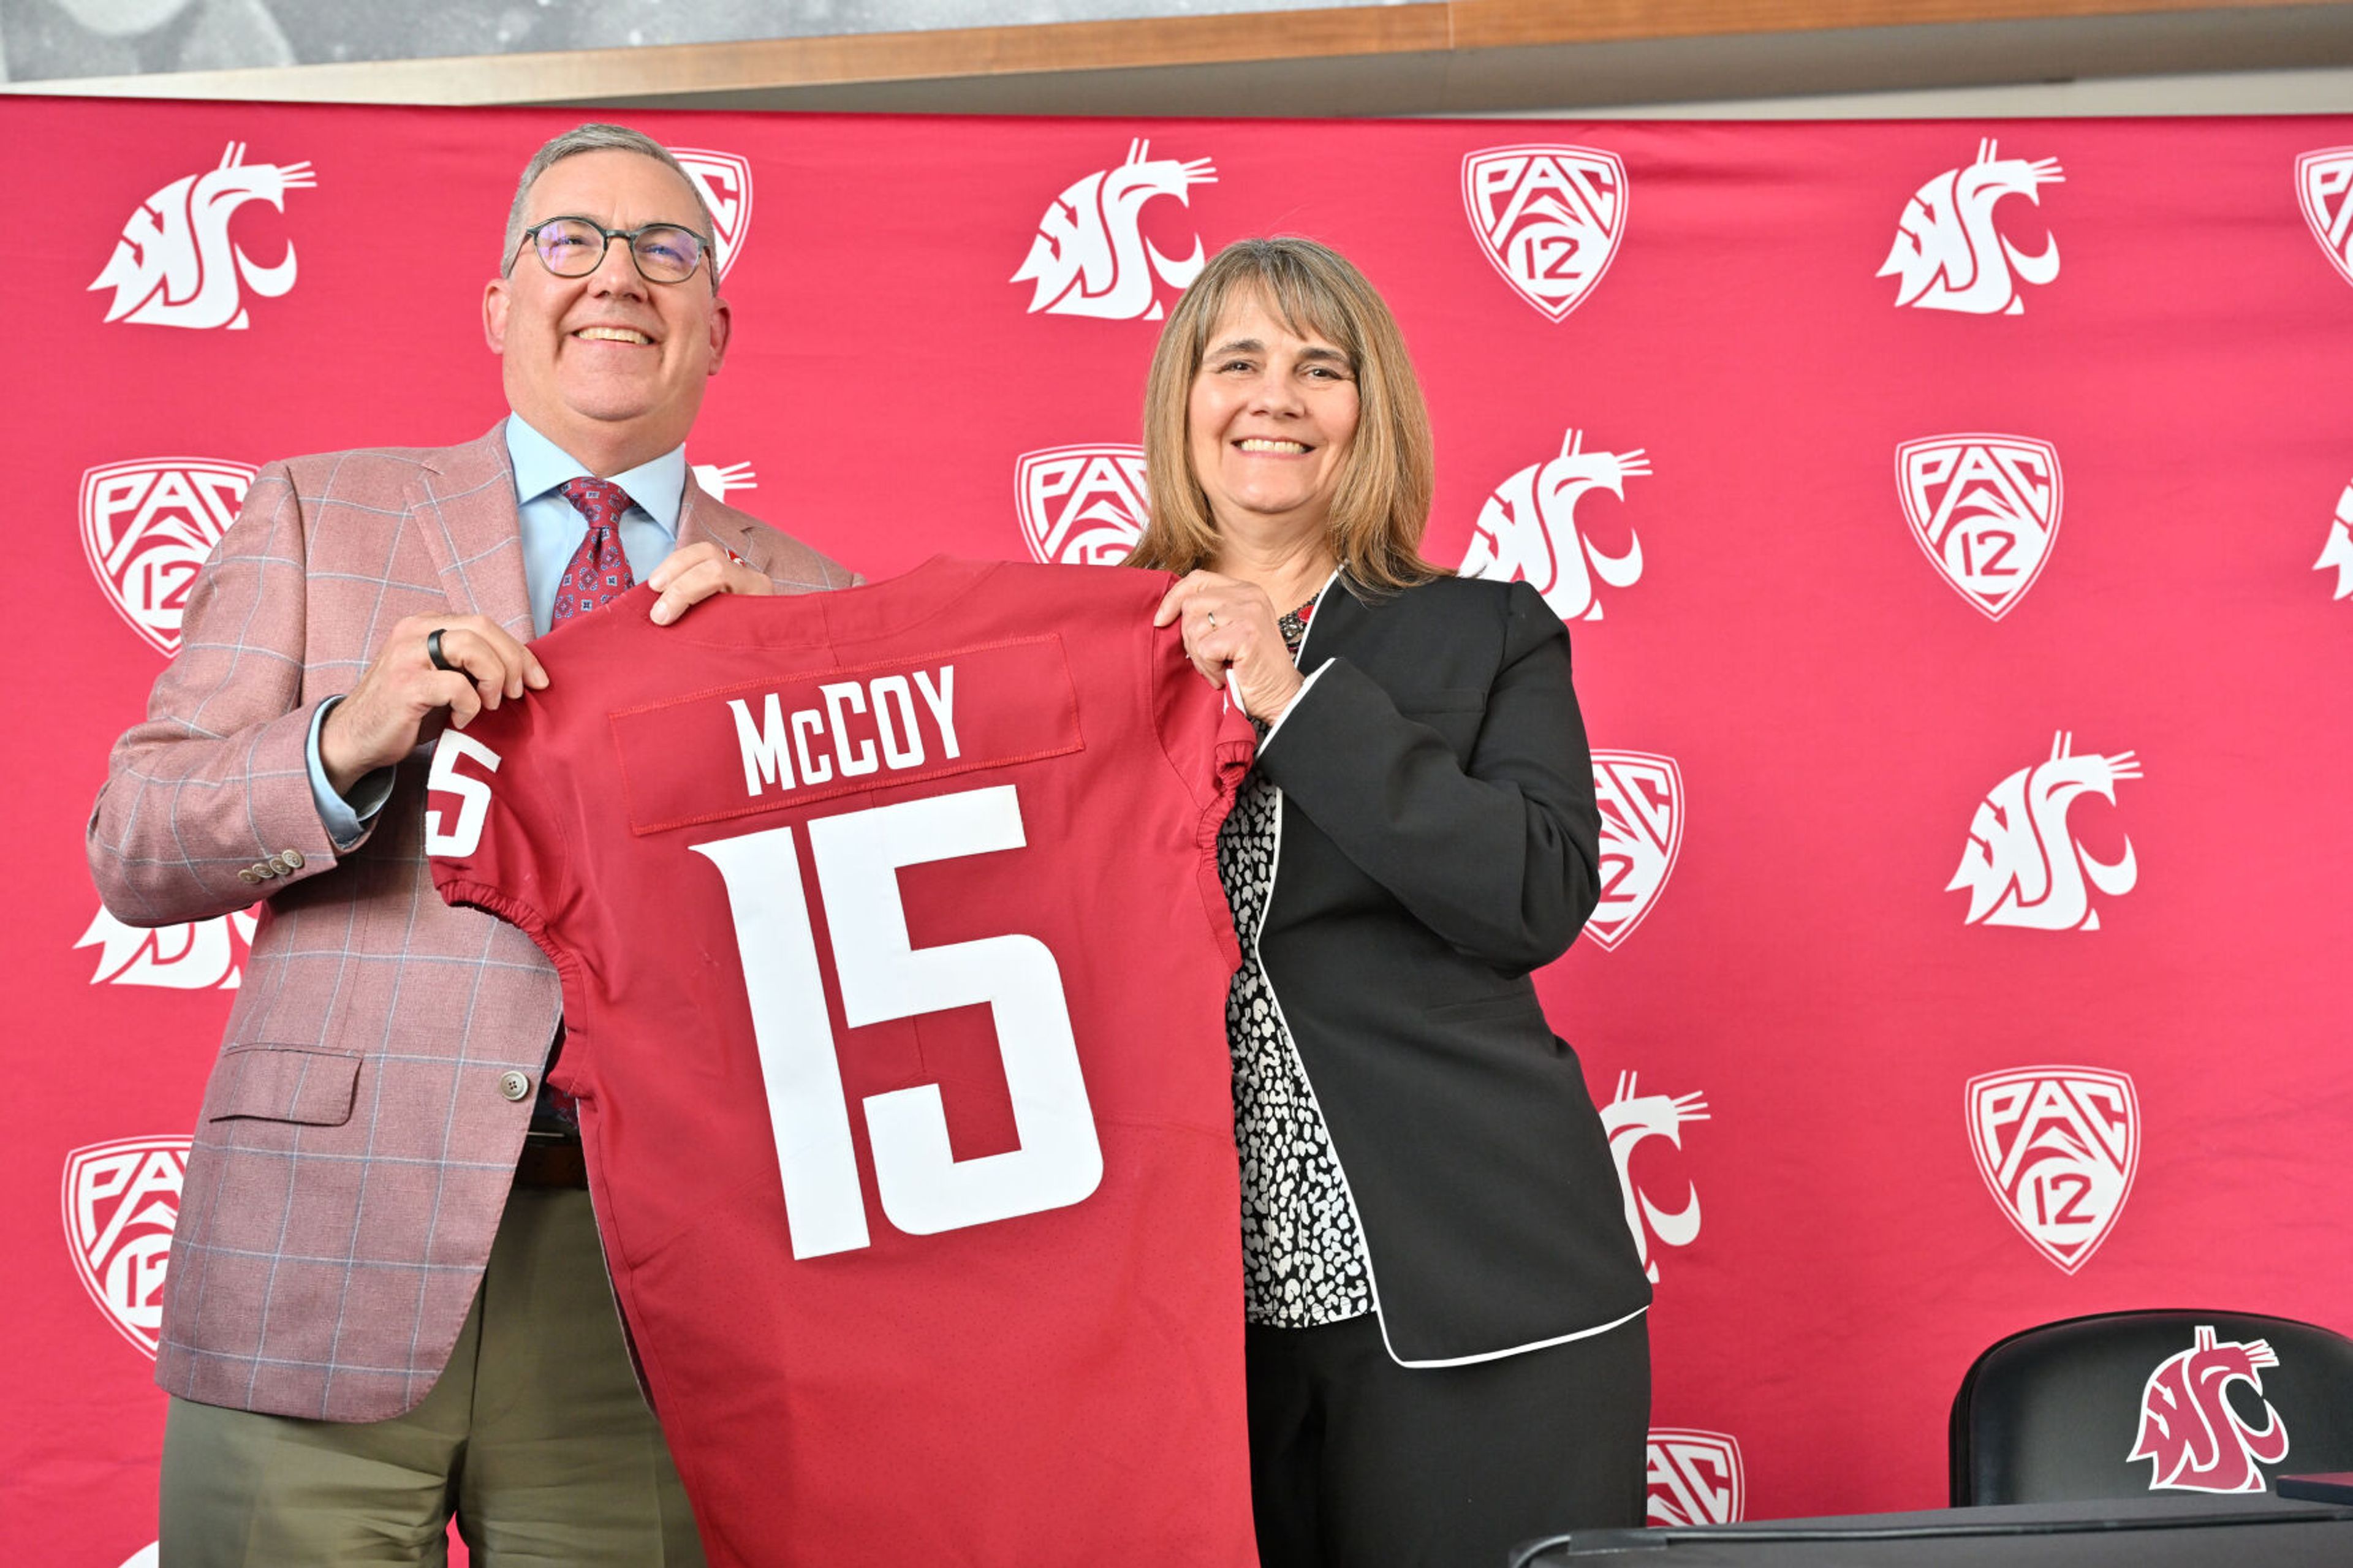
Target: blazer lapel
<point x="464" y="503"/>
<point x="700" y="518"/>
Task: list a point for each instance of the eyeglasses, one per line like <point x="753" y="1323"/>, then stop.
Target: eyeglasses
<point x="576" y="246"/>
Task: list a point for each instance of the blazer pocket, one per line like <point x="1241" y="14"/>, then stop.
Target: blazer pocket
<point x="1443" y="699"/>
<point x="286" y="1083"/>
<point x="1480" y="1009"/>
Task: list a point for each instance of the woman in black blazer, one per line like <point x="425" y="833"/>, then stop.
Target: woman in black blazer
<point x="1446" y="1349"/>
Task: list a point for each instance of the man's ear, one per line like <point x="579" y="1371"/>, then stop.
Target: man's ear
<point x="494" y="315"/>
<point x="722" y="326"/>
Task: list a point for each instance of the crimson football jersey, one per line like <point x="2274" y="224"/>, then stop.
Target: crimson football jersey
<point x="895" y="965"/>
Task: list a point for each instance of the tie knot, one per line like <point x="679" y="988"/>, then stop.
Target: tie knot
<point x="601" y="501"/>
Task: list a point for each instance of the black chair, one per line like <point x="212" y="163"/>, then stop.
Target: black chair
<point x="2056" y="1413"/>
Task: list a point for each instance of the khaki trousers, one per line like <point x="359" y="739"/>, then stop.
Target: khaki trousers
<point x="535" y="1439"/>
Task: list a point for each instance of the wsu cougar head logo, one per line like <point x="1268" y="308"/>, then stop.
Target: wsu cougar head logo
<point x="148" y="526"/>
<point x="197" y="956"/>
<point x="1985" y="509"/>
<point x="2339" y="552"/>
<point x="2191" y="1434"/>
<point x="1083" y="506"/>
<point x="1090" y="258"/>
<point x="1628" y="1120"/>
<point x="720" y="481"/>
<point x="2058" y="1147"/>
<point x="1528" y="530"/>
<point x="724" y="181"/>
<point x="2324" y="188"/>
<point x="2023" y="866"/>
<point x="122" y="1202"/>
<point x="1949" y="256"/>
<point x="1642" y="800"/>
<point x="1695" y="1477"/>
<point x="176" y="265"/>
<point x="1549" y="218"/>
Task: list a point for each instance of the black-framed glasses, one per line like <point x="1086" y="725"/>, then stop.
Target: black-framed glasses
<point x="575" y="246"/>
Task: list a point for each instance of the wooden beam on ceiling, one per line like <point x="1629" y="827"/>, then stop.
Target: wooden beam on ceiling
<point x="681" y="74"/>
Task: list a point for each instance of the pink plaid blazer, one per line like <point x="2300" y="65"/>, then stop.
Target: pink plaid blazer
<point x="354" y="1150"/>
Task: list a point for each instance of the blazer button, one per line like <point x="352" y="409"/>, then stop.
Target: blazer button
<point x="293" y="858"/>
<point x="280" y="865"/>
<point x="248" y="875"/>
<point x="262" y="871"/>
<point x="514" y="1085"/>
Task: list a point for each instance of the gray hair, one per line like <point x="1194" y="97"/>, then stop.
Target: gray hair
<point x="600" y="138"/>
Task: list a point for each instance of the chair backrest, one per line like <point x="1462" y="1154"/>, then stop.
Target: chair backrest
<point x="2127" y="1403"/>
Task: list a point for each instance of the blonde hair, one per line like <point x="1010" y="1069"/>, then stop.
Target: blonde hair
<point x="1382" y="504"/>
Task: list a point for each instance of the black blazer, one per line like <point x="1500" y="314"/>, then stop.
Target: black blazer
<point x="1438" y="839"/>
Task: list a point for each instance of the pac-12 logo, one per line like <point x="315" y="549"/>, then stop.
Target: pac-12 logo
<point x="176" y="265"/>
<point x="195" y="956"/>
<point x="1641" y="799"/>
<point x="1629" y="1119"/>
<point x="1695" y="1477"/>
<point x="2324" y="188"/>
<point x="122" y="1201"/>
<point x="2023" y="866"/>
<point x="1090" y="258"/>
<point x="1528" y="531"/>
<point x="148" y="526"/>
<point x="2338" y="550"/>
<point x="1081" y="505"/>
<point x="726" y="181"/>
<point x="1949" y="255"/>
<point x="1549" y="218"/>
<point x="2057" y="1147"/>
<point x="2195" y="1439"/>
<point x="1985" y="509"/>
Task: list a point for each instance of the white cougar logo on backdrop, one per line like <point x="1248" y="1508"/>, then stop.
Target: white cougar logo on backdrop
<point x="195" y="956"/>
<point x="2194" y="1440"/>
<point x="726" y="181"/>
<point x="1081" y="505"/>
<point x="1090" y="258"/>
<point x="1695" y="1477"/>
<point x="2023" y="866"/>
<point x="1628" y="1120"/>
<point x="1947" y="253"/>
<point x="122" y="1201"/>
<point x="176" y="265"/>
<point x="720" y="481"/>
<point x="2324" y="188"/>
<point x="1985" y="509"/>
<point x="1549" y="218"/>
<point x="1527" y="530"/>
<point x="148" y="526"/>
<point x="1641" y="799"/>
<point x="2058" y="1147"/>
<point x="2338" y="551"/>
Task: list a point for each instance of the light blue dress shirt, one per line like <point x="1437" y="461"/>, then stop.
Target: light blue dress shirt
<point x="552" y="532"/>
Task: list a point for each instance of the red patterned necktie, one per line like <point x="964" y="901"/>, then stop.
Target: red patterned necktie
<point x="598" y="572"/>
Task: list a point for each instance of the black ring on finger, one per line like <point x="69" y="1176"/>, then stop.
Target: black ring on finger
<point x="433" y="651"/>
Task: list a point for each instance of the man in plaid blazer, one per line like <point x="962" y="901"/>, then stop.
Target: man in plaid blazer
<point x="383" y="1305"/>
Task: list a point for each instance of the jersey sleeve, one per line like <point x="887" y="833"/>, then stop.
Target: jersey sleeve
<point x="1209" y="741"/>
<point x="490" y="835"/>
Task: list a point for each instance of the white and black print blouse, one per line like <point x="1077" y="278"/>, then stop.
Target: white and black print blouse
<point x="1303" y="1259"/>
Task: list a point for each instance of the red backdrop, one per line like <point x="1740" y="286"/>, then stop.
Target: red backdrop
<point x="1953" y="534"/>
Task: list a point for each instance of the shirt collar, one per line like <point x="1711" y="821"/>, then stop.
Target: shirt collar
<point x="659" y="486"/>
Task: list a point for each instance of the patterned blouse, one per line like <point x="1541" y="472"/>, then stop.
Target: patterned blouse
<point x="1303" y="1259"/>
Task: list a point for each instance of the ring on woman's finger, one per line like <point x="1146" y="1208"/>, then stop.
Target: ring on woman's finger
<point x="1213" y="620"/>
<point x="433" y="650"/>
